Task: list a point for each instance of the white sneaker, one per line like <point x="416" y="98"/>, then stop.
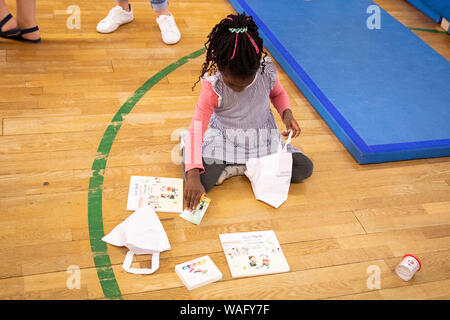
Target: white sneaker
<point x="169" y="30"/>
<point x="115" y="18"/>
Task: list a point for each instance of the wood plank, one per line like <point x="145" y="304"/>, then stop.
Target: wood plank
<point x="55" y="104"/>
<point x="437" y="290"/>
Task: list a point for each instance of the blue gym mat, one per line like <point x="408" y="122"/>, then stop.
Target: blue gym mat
<point x="384" y="92"/>
<point x="435" y="9"/>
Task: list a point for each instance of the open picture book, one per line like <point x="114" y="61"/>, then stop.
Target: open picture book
<point x="162" y="194"/>
<point x="253" y="253"/>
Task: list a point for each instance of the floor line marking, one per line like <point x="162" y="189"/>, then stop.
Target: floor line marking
<point x="99" y="249"/>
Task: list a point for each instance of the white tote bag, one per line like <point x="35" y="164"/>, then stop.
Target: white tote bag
<point x="270" y="176"/>
<point x="142" y="233"/>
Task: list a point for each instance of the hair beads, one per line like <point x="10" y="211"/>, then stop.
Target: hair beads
<point x="227" y="50"/>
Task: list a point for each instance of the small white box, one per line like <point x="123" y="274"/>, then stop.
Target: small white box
<point x="198" y="272"/>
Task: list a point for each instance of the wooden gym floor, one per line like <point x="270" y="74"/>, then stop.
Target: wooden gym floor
<point x="58" y="98"/>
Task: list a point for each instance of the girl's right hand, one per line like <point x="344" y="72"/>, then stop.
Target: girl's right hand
<point x="193" y="189"/>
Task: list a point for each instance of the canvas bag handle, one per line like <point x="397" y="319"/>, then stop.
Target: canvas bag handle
<point x="129" y="258"/>
<point x="283" y="149"/>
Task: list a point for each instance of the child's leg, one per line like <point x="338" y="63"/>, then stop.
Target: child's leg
<point x="231" y="171"/>
<point x="302" y="167"/>
<point x="212" y="172"/>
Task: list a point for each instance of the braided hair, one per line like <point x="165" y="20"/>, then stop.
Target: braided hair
<point x="234" y="44"/>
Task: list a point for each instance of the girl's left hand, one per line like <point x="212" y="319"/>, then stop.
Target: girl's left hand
<point x="291" y="124"/>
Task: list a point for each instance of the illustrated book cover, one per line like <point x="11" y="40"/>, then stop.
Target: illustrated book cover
<point x="162" y="194"/>
<point x="195" y="216"/>
<point x="198" y="272"/>
<point x="253" y="253"/>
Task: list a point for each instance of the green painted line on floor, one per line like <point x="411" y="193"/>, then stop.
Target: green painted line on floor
<point x="99" y="249"/>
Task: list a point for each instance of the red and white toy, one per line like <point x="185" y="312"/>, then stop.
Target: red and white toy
<point x="408" y="267"/>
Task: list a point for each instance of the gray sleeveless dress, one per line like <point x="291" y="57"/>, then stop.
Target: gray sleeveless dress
<point x="243" y="126"/>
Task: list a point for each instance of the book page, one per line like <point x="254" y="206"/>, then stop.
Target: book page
<point x="253" y="253"/>
<point x="162" y="194"/>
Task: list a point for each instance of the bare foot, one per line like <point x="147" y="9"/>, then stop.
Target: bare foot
<point x="32" y="35"/>
<point x="11" y="24"/>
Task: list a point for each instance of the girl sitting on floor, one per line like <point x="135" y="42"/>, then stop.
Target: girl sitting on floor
<point x="234" y="103"/>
